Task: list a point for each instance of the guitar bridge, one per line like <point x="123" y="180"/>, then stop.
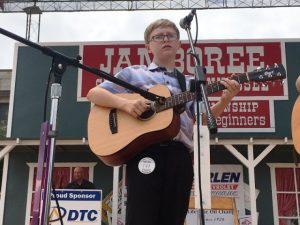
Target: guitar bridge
<point x="113" y="121"/>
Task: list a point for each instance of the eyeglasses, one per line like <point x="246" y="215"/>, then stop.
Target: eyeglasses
<point x="161" y="37"/>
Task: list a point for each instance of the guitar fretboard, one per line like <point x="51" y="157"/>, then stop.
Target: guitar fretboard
<point x="187" y="96"/>
<point x="217" y="86"/>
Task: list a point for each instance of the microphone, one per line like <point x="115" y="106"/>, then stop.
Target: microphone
<point x="185" y="22"/>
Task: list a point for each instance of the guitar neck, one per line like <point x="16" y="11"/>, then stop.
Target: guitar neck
<point x="217" y="86"/>
<point x="188" y="96"/>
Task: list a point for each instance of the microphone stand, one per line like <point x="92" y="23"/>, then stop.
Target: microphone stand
<point x="201" y="97"/>
<point x="48" y="129"/>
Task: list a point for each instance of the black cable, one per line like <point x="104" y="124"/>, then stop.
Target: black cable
<point x="196" y="38"/>
<point x="57" y="205"/>
<point x="44" y="119"/>
<point x="199" y="155"/>
<point x="46" y="93"/>
<point x="198" y="132"/>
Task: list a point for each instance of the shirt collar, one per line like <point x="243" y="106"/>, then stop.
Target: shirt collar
<point x="155" y="68"/>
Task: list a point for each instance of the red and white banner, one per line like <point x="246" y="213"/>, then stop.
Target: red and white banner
<point x="251" y="111"/>
<point x="257" y="115"/>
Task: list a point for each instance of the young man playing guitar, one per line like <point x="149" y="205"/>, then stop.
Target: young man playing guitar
<point x="160" y="176"/>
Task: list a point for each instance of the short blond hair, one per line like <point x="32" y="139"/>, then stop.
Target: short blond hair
<point x="159" y="23"/>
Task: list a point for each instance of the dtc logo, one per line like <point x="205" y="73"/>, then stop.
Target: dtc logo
<point x="82" y="215"/>
<point x="54" y="214"/>
<point x="73" y="215"/>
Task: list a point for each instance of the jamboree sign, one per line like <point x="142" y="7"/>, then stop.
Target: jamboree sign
<point x="251" y="111"/>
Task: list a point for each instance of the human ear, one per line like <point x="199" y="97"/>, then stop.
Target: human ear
<point x="179" y="44"/>
<point x="148" y="48"/>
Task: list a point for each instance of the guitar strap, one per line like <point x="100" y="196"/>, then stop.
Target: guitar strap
<point x="182" y="83"/>
<point x="181" y="80"/>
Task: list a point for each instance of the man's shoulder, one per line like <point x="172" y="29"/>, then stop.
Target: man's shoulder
<point x="89" y="184"/>
<point x="71" y="185"/>
<point x="87" y="181"/>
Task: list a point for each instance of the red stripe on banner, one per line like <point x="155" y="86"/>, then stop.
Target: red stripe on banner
<point x="220" y="60"/>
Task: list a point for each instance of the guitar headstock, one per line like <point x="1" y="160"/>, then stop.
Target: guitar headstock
<point x="276" y="72"/>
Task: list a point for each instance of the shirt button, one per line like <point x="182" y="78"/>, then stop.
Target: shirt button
<point x="167" y="82"/>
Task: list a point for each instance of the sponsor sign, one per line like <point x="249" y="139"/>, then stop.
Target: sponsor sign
<point x="227" y="181"/>
<point x="211" y="217"/>
<point x="76" y="207"/>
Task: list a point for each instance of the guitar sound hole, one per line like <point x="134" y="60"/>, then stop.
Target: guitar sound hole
<point x="147" y="114"/>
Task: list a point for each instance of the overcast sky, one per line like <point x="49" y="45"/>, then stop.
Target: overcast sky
<point x="129" y="26"/>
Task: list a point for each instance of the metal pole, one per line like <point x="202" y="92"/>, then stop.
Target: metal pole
<point x="56" y="90"/>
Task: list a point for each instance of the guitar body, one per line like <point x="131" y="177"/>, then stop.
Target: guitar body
<point x="133" y="135"/>
<point x="296" y="124"/>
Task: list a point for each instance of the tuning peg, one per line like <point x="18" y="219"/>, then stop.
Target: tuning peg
<point x="282" y="82"/>
<point x="275" y="65"/>
<point x="264" y="84"/>
<point x="258" y="68"/>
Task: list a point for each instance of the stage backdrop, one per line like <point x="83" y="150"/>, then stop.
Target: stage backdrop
<point x="258" y="111"/>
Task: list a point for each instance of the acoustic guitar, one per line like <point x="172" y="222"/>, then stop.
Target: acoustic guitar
<point x="115" y="136"/>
